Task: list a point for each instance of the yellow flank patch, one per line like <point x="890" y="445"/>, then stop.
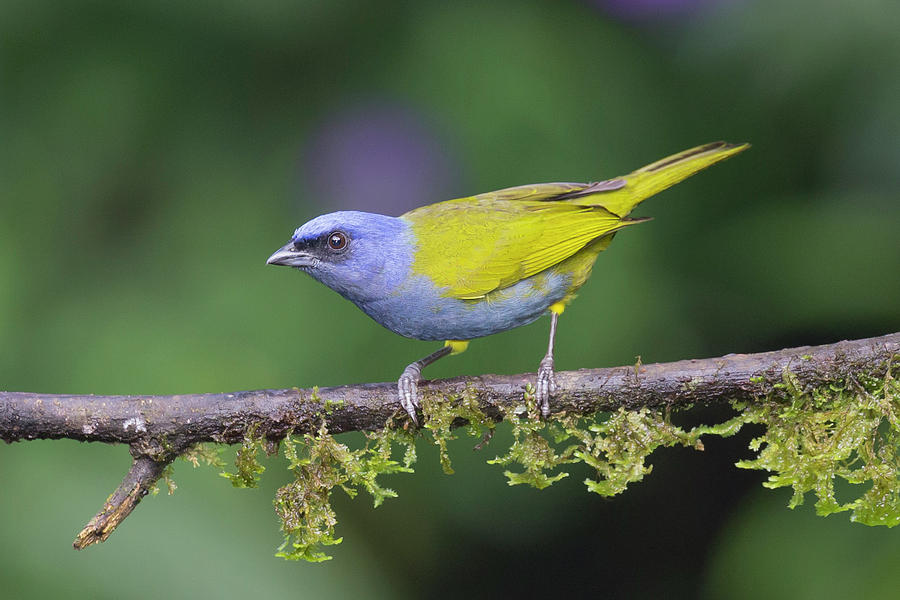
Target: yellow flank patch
<point x="457" y="346"/>
<point x="558" y="307"/>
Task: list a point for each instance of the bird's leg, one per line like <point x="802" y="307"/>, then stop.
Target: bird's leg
<point x="546" y="382"/>
<point x="407" y="385"/>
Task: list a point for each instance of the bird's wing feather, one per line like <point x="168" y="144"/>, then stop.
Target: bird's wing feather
<point x="551" y="192"/>
<point x="473" y="246"/>
<point x="621" y="194"/>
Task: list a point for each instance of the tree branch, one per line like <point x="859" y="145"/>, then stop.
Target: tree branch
<point x="159" y="428"/>
<point x="141" y="477"/>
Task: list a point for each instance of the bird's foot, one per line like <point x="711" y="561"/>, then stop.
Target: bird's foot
<point x="546" y="385"/>
<point x="408" y="390"/>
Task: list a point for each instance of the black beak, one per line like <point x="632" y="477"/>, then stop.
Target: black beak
<point x="289" y="256"/>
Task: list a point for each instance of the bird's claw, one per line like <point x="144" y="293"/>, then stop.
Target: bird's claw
<point x="408" y="391"/>
<point x="546" y="385"/>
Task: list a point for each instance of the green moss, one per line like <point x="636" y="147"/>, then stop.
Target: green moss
<point x="328" y="405"/>
<point x="814" y="438"/>
<point x="617" y="447"/>
<point x="208" y="454"/>
<point x="847" y="432"/>
<point x="319" y="464"/>
<point x="246" y="464"/>
<point x="530" y="449"/>
<point x="166" y="478"/>
<point x="441" y="414"/>
<point x="331" y="405"/>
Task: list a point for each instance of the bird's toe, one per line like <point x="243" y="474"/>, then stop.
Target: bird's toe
<point x="546" y="385"/>
<point x="408" y="392"/>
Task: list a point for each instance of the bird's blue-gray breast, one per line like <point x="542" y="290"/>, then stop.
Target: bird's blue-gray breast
<point x="377" y="276"/>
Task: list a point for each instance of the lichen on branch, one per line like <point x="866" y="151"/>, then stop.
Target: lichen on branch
<point x="830" y="415"/>
<point x="847" y="430"/>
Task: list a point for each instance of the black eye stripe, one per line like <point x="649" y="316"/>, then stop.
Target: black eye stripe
<point x="336" y="241"/>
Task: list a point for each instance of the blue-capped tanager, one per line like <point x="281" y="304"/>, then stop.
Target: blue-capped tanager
<point x="471" y="267"/>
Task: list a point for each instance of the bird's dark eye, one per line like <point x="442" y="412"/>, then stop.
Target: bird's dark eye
<point x="337" y="240"/>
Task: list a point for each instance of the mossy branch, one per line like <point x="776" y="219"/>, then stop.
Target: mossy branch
<point x="160" y="428"/>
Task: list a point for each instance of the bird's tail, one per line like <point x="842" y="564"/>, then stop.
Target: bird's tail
<point x="656" y="177"/>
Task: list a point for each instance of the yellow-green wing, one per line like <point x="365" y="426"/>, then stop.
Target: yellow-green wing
<point x="551" y="192"/>
<point x="621" y="194"/>
<point x="473" y="246"/>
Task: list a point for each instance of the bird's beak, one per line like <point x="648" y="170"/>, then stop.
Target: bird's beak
<point x="289" y="256"/>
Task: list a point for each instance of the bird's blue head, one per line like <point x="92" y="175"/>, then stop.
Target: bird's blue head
<point x="362" y="256"/>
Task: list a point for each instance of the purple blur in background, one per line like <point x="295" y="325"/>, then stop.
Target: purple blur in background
<point x="649" y="9"/>
<point x="377" y="158"/>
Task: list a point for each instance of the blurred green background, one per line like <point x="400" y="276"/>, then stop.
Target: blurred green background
<point x="153" y="154"/>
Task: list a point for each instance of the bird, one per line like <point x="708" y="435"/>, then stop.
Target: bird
<point x="471" y="267"/>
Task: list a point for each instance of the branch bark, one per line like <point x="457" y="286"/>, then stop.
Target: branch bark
<point x="159" y="428"/>
<point x="142" y="476"/>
